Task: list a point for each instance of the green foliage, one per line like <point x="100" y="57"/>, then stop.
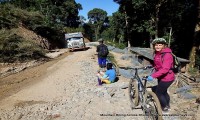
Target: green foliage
<point x="14" y="48"/>
<point x="45" y="17"/>
<point x="12" y="16"/>
<point x="7" y="19"/>
<point x="97" y="19"/>
<point x="197" y="59"/>
<point x="117" y="45"/>
<point x="193" y="71"/>
<point x="72" y="30"/>
<point x="63" y="12"/>
<point x="108" y="34"/>
<point x="88" y="31"/>
<point x="150" y="19"/>
<point x="97" y="15"/>
<point x="118" y="25"/>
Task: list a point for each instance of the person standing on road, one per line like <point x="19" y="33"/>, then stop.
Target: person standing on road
<point x="163" y="71"/>
<point x="103" y="52"/>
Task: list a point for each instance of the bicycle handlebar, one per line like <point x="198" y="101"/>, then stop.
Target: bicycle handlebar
<point x="144" y="78"/>
<point x="137" y="68"/>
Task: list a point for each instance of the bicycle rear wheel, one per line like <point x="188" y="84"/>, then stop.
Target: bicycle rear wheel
<point x="152" y="108"/>
<point x="133" y="93"/>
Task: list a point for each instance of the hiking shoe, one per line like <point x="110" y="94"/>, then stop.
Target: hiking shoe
<point x="165" y="109"/>
<point x="165" y="113"/>
<point x="168" y="107"/>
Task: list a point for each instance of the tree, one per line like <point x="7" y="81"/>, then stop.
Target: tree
<point x="148" y="19"/>
<point x="97" y="18"/>
<point x="118" y="24"/>
<point x="136" y="19"/>
<point x="194" y="53"/>
<point x="71" y="9"/>
<point x="62" y="12"/>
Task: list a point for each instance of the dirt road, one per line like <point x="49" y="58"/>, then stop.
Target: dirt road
<point x="65" y="89"/>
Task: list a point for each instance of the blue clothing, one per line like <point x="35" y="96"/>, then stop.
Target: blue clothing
<point x="102" y="62"/>
<point x="150" y="78"/>
<point x="111" y="74"/>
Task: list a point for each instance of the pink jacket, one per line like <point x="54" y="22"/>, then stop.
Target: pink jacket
<point x="162" y="65"/>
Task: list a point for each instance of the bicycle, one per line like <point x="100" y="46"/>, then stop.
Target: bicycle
<point x="138" y="94"/>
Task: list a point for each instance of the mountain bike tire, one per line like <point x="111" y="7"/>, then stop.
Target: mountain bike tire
<point x="115" y="66"/>
<point x="133" y="93"/>
<point x="153" y="109"/>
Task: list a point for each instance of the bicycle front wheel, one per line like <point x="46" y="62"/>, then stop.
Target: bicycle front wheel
<point x="152" y="108"/>
<point x="133" y="93"/>
<point x="116" y="68"/>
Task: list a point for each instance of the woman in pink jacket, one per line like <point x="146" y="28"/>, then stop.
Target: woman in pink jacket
<point x="163" y="62"/>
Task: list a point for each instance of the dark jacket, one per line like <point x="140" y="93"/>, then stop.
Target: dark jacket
<point x="98" y="50"/>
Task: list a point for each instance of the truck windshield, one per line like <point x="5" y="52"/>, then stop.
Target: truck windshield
<point x="74" y="38"/>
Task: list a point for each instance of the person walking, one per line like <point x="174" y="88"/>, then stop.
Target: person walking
<point x="103" y="52"/>
<point x="163" y="72"/>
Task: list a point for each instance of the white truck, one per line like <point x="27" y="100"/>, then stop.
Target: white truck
<point x="75" y="41"/>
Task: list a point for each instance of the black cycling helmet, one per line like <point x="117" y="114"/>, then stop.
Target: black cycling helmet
<point x="109" y="66"/>
<point x="159" y="41"/>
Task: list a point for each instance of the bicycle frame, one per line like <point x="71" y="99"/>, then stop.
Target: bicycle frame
<point x="141" y="86"/>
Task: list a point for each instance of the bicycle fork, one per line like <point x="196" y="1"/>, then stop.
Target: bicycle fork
<point x="141" y="95"/>
<point x="142" y="91"/>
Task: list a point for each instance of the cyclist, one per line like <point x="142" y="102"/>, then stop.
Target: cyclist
<point x="163" y="72"/>
<point x="109" y="76"/>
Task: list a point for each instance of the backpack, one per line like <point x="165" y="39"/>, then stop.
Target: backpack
<point x="103" y="51"/>
<point x="177" y="65"/>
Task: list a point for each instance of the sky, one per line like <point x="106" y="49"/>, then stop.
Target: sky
<point x="107" y="5"/>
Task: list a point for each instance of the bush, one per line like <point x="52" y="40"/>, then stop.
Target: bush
<point x="11" y="16"/>
<point x="15" y="48"/>
<point x="72" y="30"/>
<point x="118" y="45"/>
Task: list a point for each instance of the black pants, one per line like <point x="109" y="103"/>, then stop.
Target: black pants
<point x="161" y="92"/>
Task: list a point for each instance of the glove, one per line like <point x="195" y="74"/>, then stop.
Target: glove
<point x="149" y="78"/>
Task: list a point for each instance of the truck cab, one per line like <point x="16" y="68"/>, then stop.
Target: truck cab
<point x="75" y="41"/>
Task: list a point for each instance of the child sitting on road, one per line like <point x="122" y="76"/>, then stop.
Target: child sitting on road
<point x="109" y="76"/>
